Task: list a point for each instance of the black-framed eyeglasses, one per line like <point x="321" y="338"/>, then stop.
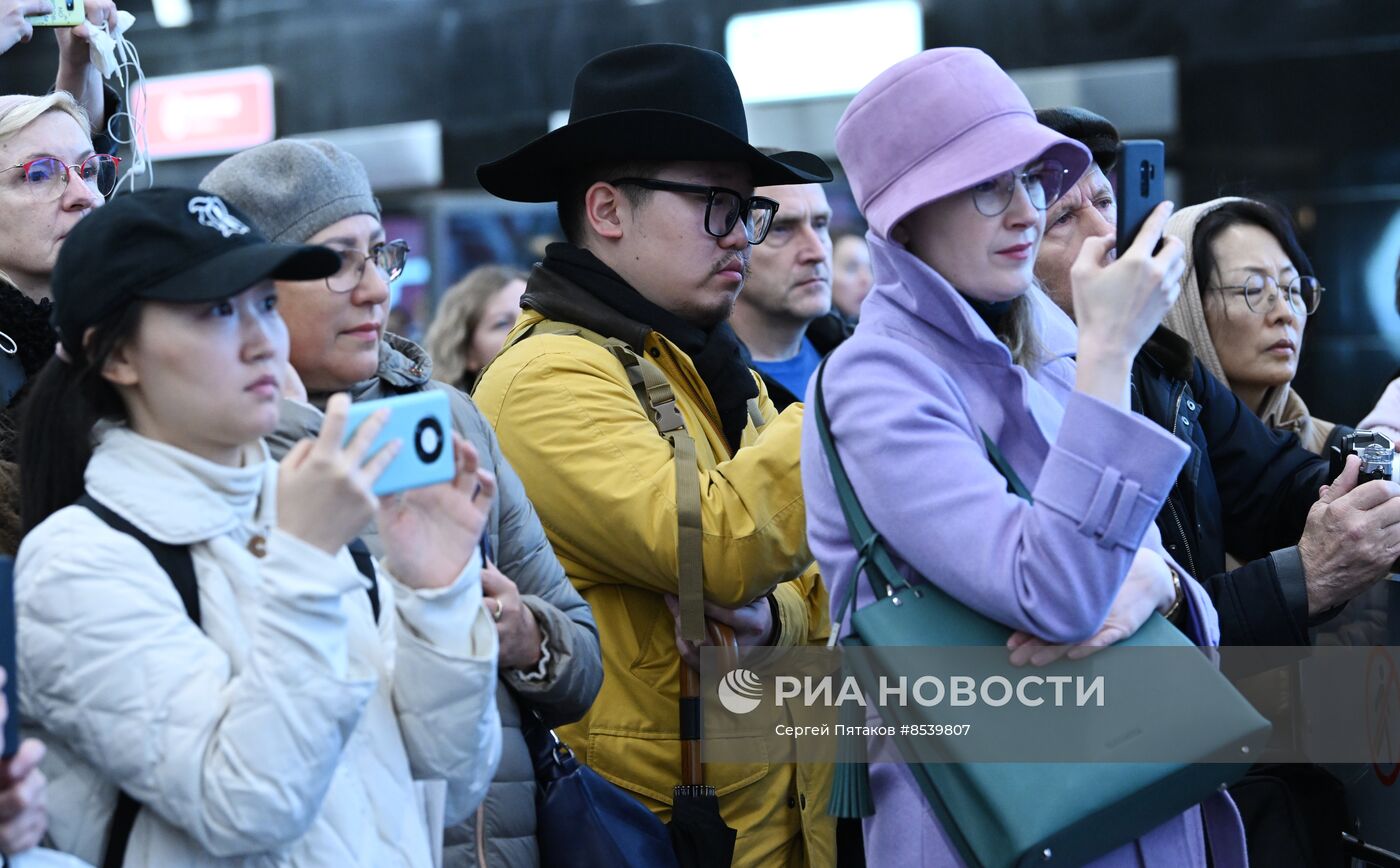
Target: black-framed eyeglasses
<point x="388" y="258"/>
<point x="723" y="207"/>
<point x="1044" y="181"/>
<point x="46" y="178"/>
<point x="1260" y="291"/>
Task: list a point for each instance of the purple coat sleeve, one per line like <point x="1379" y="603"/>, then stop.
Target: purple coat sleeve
<point x="1052" y="567"/>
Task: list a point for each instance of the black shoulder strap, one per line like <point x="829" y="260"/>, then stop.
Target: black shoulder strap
<point x="175" y="560"/>
<point x="179" y="565"/>
<point x="364" y="562"/>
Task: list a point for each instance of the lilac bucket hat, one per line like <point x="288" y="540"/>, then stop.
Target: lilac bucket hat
<point x="937" y="123"/>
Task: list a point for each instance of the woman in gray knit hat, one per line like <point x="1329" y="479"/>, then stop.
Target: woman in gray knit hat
<point x="312" y="192"/>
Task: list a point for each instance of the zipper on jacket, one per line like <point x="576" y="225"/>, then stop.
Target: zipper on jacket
<point x="1176" y="517"/>
<point x="481" y="835"/>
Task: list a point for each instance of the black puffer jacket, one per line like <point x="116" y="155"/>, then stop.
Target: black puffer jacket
<point x="1245" y="489"/>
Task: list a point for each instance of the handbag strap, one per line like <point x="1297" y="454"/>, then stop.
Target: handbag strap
<point x="873" y="556"/>
<point x="1013" y="482"/>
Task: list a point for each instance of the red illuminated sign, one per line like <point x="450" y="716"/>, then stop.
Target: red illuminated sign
<point x="207" y="113"/>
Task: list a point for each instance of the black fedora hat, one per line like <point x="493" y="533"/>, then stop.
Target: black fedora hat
<point x="658" y="102"/>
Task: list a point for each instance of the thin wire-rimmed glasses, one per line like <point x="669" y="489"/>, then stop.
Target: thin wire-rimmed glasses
<point x="723" y="207"/>
<point x="387" y="258"/>
<point x="1259" y="291"/>
<point x="1043" y="182"/>
<point x="47" y="177"/>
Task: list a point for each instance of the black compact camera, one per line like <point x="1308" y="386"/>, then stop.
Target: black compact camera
<point x="1376" y="451"/>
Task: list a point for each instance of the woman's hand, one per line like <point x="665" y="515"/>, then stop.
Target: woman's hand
<point x="1118" y="303"/>
<point x="74" y="42"/>
<point x="516" y="627"/>
<point x="13" y="28"/>
<point x="76" y="74"/>
<point x="325" y="491"/>
<point x="1148" y="587"/>
<point x="430" y="533"/>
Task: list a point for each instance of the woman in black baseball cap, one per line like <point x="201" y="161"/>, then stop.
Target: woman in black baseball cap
<point x="194" y="630"/>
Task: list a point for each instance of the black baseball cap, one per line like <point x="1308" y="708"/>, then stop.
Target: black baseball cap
<point x="167" y="244"/>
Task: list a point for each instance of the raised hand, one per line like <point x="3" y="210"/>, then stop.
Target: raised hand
<point x="1118" y="304"/>
<point x="430" y="533"/>
<point x="325" y="491"/>
<point x="13" y="28"/>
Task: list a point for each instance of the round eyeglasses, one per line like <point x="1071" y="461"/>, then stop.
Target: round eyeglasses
<point x="46" y="178"/>
<point x="724" y="207"/>
<point x="388" y="260"/>
<point x="1043" y="182"/>
<point x="1259" y="291"/>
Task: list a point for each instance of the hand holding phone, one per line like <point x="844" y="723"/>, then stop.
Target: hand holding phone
<point x="422" y="422"/>
<point x="15" y="26"/>
<point x="431" y="533"/>
<point x="1140" y="184"/>
<point x="324" y="485"/>
<point x="1118" y="305"/>
<point x="59" y="13"/>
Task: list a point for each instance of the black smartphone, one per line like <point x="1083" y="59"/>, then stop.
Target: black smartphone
<point x="7" y="655"/>
<point x="1140" y="184"/>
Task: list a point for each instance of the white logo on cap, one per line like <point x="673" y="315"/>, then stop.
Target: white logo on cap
<point x="212" y="212"/>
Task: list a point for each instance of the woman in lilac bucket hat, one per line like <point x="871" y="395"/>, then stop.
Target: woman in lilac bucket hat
<point x="953" y="174"/>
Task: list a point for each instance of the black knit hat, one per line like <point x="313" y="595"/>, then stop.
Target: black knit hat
<point x="1093" y="130"/>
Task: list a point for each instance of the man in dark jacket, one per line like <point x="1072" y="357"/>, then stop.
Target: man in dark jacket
<point x="784" y="316"/>
<point x="1248" y="490"/>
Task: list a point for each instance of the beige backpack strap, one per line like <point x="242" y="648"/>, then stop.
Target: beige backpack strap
<point x="655" y="395"/>
<point x="755" y="414"/>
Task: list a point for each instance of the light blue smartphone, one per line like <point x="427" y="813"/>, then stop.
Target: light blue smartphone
<point x="423" y="421"/>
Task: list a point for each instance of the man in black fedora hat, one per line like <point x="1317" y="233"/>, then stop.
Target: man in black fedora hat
<point x="666" y="480"/>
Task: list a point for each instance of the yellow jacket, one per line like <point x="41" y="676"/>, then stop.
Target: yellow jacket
<point x="603" y="482"/>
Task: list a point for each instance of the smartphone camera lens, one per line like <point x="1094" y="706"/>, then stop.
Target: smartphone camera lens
<point x="428" y="439"/>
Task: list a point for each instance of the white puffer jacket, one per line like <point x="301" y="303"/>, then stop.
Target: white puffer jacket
<point x="291" y="731"/>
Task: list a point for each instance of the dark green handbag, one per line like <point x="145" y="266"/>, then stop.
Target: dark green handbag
<point x="1020" y="814"/>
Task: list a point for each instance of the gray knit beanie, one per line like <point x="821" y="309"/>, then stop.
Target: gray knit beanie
<point x="293" y="188"/>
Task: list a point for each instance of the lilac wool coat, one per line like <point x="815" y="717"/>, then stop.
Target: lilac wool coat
<point x="906" y="396"/>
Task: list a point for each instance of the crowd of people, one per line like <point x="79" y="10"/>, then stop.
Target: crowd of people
<point x="232" y="652"/>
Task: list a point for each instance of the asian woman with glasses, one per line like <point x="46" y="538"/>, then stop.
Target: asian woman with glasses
<point x="1245" y="300"/>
